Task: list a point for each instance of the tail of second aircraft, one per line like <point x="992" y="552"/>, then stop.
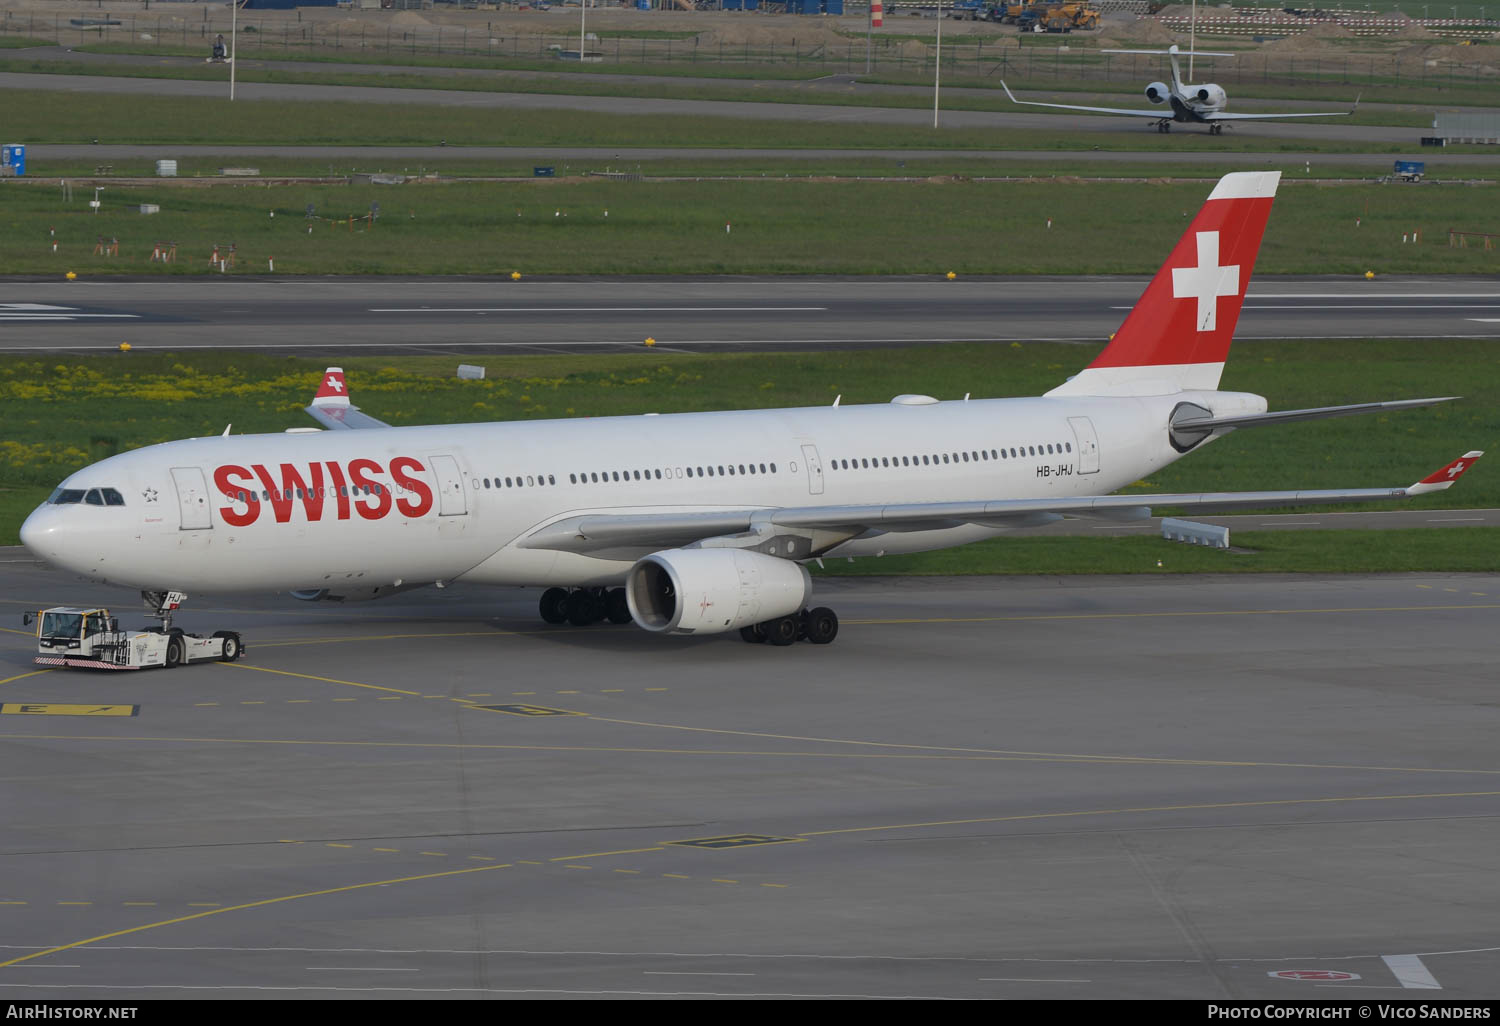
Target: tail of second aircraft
<point x="1177" y="336"/>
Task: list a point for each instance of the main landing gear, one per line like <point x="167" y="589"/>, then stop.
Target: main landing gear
<point x="820" y="626"/>
<point x="1164" y="125"/>
<point x="1216" y="129"/>
<point x="583" y="606"/>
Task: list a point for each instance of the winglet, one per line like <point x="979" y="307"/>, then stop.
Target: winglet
<point x="331" y="390"/>
<point x="1437" y="481"/>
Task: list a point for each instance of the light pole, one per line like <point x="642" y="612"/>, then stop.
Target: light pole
<point x="937" y="67"/>
<point x="234" y="23"/>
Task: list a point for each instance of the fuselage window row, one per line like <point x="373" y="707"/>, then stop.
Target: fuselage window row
<point x="938" y="459"/>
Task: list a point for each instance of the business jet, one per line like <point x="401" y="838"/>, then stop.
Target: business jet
<point x="694" y="523"/>
<point x="1198" y="104"/>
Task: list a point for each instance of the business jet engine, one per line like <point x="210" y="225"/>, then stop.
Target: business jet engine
<point x="1157" y="92"/>
<point x="1210" y="94"/>
<point x="709" y="591"/>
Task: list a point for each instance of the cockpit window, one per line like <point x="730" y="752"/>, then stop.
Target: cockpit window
<point x="92" y="497"/>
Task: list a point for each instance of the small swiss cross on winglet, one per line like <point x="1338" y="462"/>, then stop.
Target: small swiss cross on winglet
<point x="1444" y="478"/>
<point x="331" y="390"/>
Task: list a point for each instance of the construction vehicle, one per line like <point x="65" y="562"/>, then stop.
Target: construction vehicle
<point x="91" y="637"/>
<point x="1069" y="16"/>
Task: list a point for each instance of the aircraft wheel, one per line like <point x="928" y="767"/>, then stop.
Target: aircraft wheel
<point x="782" y="632"/>
<point x="820" y="625"/>
<point x="755" y="634"/>
<point x="615" y="606"/>
<point x="554" y="605"/>
<point x="583" y="608"/>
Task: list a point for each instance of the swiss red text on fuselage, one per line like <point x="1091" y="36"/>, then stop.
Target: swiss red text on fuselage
<point x="330" y="490"/>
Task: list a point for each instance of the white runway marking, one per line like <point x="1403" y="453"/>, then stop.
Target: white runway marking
<point x="1411" y="972"/>
<point x="7" y="316"/>
<point x="596" y="309"/>
<point x="356" y="969"/>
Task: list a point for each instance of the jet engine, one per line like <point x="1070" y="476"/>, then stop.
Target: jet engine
<point x="709" y="591"/>
<point x="1210" y="94"/>
<point x="1157" y="92"/>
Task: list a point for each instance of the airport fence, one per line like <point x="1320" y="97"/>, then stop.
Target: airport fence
<point x="1027" y="60"/>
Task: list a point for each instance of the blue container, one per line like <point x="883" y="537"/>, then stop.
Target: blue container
<point x="643" y="5"/>
<point x="833" y="6"/>
<point x="13" y="156"/>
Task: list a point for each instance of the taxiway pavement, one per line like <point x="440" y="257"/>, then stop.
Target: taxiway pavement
<point x="1079" y="787"/>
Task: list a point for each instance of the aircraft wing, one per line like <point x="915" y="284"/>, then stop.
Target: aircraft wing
<point x="343" y="417"/>
<point x="1159" y="113"/>
<point x="331" y="406"/>
<point x="832" y="525"/>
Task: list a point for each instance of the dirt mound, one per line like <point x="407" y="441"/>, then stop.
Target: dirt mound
<point x="1149" y="30"/>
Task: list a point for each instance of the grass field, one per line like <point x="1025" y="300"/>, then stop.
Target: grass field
<point x="784" y="226"/>
<point x="63" y="413"/>
<point x="205" y="169"/>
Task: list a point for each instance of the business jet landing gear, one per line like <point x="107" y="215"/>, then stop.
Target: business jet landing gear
<point x="584" y="606"/>
<point x="1164" y="125"/>
<point x="819" y="626"/>
<point x="1216" y="129"/>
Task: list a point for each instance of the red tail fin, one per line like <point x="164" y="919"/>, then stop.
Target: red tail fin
<point x="1177" y="336"/>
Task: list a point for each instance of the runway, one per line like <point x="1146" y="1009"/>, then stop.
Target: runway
<point x="1280" y="133"/>
<point x="328" y="316"/>
<point x="996" y="788"/>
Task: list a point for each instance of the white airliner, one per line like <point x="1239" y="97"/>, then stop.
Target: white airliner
<point x="706" y="519"/>
<point x="1201" y="104"/>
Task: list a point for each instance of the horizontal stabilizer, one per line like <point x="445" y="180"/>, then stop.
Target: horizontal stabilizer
<point x="1173" y="52"/>
<point x="1206" y="424"/>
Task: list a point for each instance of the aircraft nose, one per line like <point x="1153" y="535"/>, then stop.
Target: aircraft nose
<point x="35" y="532"/>
<point x="52" y="535"/>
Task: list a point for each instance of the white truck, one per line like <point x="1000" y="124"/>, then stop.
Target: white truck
<point x="85" y="637"/>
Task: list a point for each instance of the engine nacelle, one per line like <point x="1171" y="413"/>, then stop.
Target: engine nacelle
<point x="708" y="591"/>
<point x="1157" y="92"/>
<point x="1210" y="94"/>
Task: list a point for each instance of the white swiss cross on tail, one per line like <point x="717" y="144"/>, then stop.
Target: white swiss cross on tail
<point x="1206" y="282"/>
